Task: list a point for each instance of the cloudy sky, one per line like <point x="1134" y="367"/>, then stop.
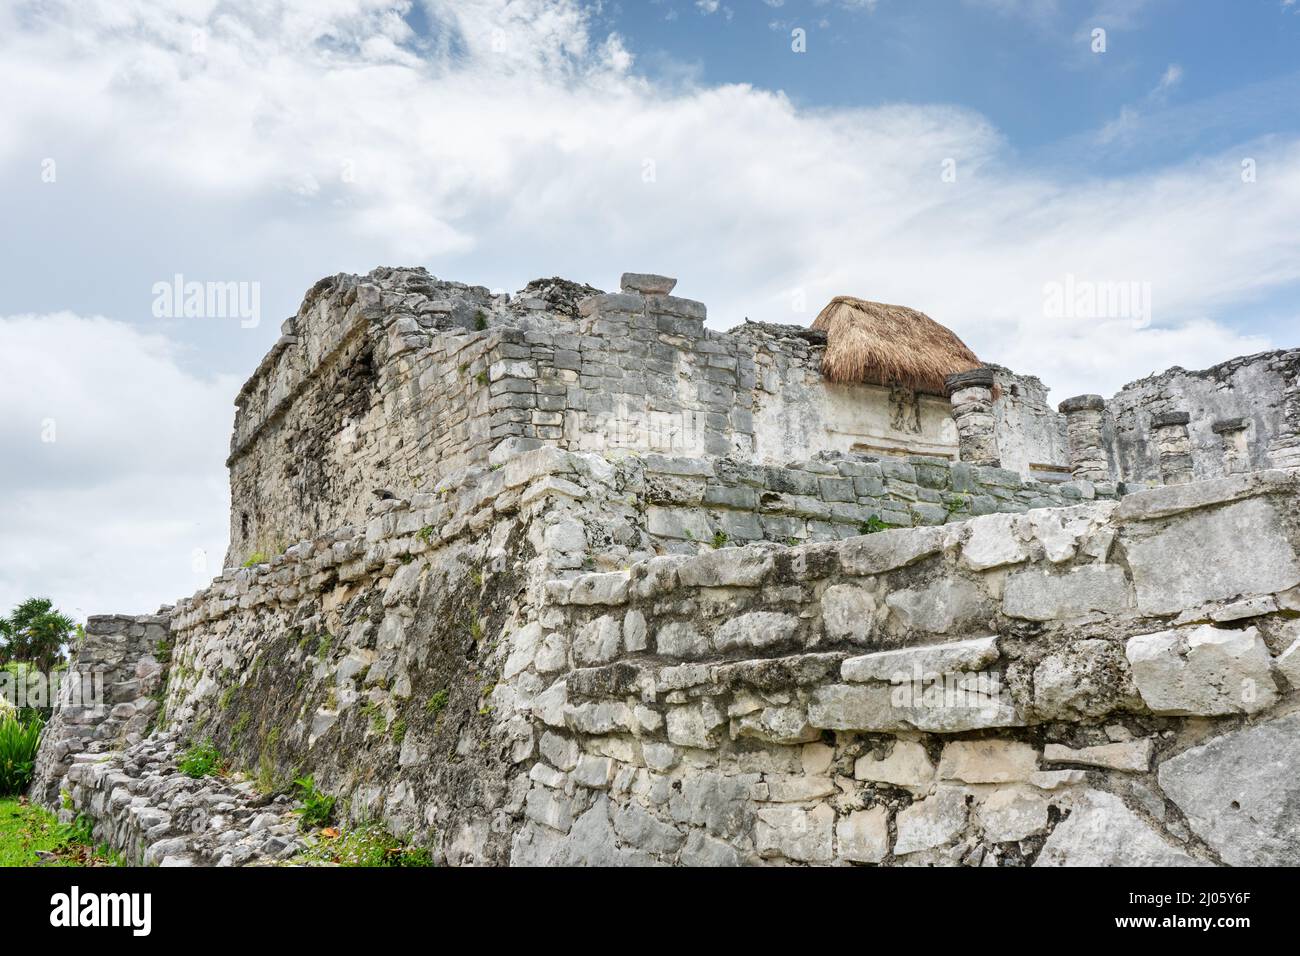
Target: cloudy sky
<point x="962" y="157"/>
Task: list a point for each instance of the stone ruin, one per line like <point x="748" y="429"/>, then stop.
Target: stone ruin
<point x="566" y="577"/>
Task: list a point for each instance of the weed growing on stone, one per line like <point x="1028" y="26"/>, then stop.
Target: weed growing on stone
<point x="368" y="845"/>
<point x="375" y="714"/>
<point x="201" y="760"/>
<point x="317" y="807"/>
<point x="874" y="524"/>
<point x="437" y="702"/>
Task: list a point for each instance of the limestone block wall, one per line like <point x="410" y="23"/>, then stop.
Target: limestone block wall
<point x="109" y="697"/>
<point x="686" y="502"/>
<point x="1111" y="682"/>
<point x="1030" y="431"/>
<point x="1105" y="684"/>
<point x="380" y="384"/>
<point x="366" y="652"/>
<point x="387" y="382"/>
<point x="1243" y="415"/>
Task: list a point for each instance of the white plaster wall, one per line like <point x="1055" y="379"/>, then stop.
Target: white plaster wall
<point x="801" y="419"/>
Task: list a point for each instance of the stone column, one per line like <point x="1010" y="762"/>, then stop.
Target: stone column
<point x="1084" y="415"/>
<point x="971" y="394"/>
<point x="1236" y="450"/>
<point x="1174" y="446"/>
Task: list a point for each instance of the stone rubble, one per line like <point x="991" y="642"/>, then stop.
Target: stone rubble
<point x="146" y="809"/>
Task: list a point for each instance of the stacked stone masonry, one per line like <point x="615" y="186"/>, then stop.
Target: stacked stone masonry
<point x="1239" y="416"/>
<point x="1089" y="684"/>
<point x="568" y="578"/>
<point x="388" y="382"/>
<point x="109" y="698"/>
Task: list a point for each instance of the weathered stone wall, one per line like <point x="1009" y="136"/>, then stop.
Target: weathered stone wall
<point x="798" y="414"/>
<point x="379" y="383"/>
<point x="108" y="698"/>
<point x="1105" y="684"/>
<point x="541" y="582"/>
<point x="1031" y="433"/>
<point x="1110" y="671"/>
<point x="1243" y="415"/>
<point x="691" y="501"/>
<point x="385" y="383"/>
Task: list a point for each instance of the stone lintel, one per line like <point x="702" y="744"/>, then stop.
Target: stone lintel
<point x="1082" y="403"/>
<point x="974" y="378"/>
<point x="1164" y="419"/>
<point x="1224" y="425"/>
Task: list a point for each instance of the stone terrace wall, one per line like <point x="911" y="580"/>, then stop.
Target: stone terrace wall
<point x="327" y="658"/>
<point x="108" y="698"/>
<point x="154" y="815"/>
<point x="388" y="382"/>
<point x="1104" y="684"/>
<point x="1244" y="415"/>
<point x="451" y="670"/>
<point x="691" y="501"/>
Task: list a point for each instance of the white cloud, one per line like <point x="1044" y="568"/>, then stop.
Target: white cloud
<point x="516" y="140"/>
<point x="1131" y="119"/>
<point x="1172" y="76"/>
<point x="113" y="487"/>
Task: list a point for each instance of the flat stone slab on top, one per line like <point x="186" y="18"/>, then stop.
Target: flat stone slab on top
<point x="647" y="283"/>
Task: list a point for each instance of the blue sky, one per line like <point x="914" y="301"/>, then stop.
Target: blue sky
<point x="1027" y="67"/>
<point x="272" y="142"/>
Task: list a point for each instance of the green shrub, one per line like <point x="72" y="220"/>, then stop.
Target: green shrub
<point x="201" y="760"/>
<point x="257" y="557"/>
<point x="317" y="807"/>
<point x="18" y="742"/>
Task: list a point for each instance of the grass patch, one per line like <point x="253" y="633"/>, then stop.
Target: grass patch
<point x="257" y="557"/>
<point x="32" y="836"/>
<point x="366" y="845"/>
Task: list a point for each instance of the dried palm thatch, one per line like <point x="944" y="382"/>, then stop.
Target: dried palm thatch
<point x="883" y="344"/>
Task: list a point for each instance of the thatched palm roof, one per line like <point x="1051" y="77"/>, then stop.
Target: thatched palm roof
<point x="889" y="345"/>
